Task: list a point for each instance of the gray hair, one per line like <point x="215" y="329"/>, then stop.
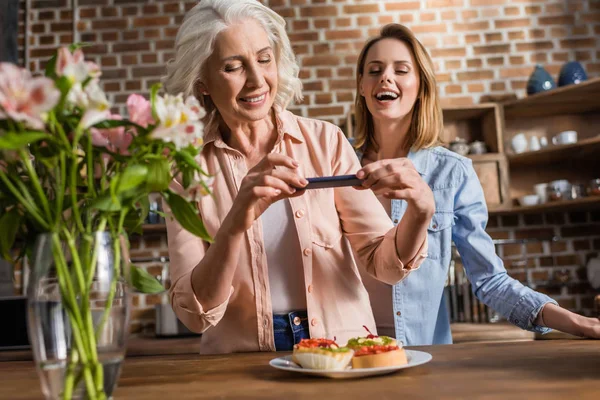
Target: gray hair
<point x="195" y="42"/>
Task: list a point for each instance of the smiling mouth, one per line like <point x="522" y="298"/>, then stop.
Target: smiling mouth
<point x="255" y="99"/>
<point x="386" y="96"/>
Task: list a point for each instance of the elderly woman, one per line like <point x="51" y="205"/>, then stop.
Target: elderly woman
<point x="280" y="267"/>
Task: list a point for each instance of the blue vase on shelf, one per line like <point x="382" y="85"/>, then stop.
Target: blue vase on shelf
<point x="571" y="73"/>
<point x="540" y="81"/>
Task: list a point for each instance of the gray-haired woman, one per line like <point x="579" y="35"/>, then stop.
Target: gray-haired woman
<point x="281" y="266"/>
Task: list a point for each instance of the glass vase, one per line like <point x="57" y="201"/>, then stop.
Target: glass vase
<point x="78" y="314"/>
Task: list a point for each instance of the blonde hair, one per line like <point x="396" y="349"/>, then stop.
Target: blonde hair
<point x="195" y="42"/>
<point x="426" y="122"/>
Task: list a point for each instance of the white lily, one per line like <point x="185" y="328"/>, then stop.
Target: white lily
<point x="179" y="122"/>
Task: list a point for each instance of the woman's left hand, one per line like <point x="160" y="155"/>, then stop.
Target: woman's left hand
<point x="398" y="179"/>
<point x="590" y="327"/>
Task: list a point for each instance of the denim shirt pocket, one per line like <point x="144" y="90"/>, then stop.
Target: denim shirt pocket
<point x="439" y="234"/>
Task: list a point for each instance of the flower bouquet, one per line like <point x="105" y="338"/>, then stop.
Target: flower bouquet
<point x="74" y="184"/>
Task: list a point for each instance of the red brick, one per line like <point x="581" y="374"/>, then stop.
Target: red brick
<point x="429" y="28"/>
<point x="323" y="98"/>
<point x="471" y="26"/>
<point x="412" y="5"/>
<point x="324" y="73"/>
<point x="512" y="23"/>
<point x="361" y="9"/>
<point x="515" y="60"/>
<point x="469" y="15"/>
<point x="493" y="37"/>
<point x="498" y="86"/>
<point x="539" y="57"/>
<point x="131" y="46"/>
<point x="300" y="25"/>
<point x="475" y="63"/>
<point x="315" y="86"/>
<point x="342" y="84"/>
<point x="133" y="85"/>
<point x="110" y="36"/>
<point x="345" y="96"/>
<point x="319" y="11"/>
<point x="432" y="4"/>
<point x="320" y="60"/>
<point x="591" y="18"/>
<point x="341" y="35"/>
<point x="171" y="8"/>
<point x="453" y="64"/>
<point x="449" y="52"/>
<point x="322" y="23"/>
<point x="304" y="36"/>
<point x="565" y="20"/>
<point x="112" y="24"/>
<point x="515" y="72"/>
<point x="539" y="233"/>
<point x="109" y="12"/>
<point x="577" y="43"/>
<point x="322" y="111"/>
<point x="532" y="10"/>
<point x="473" y="38"/>
<point x="491" y="49"/>
<point x="475" y="3"/>
<point x="151" y="21"/>
<point x="516" y="35"/>
<point x="131" y="35"/>
<point x="475" y="75"/>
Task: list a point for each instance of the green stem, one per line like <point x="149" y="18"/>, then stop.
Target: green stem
<point x="70" y="303"/>
<point x="60" y="194"/>
<point x="29" y="207"/>
<point x="90" y="168"/>
<point x="36" y="183"/>
<point x="73" y="189"/>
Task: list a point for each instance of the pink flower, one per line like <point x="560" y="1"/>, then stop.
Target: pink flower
<point x="23" y="98"/>
<point x="74" y="66"/>
<point x="140" y="110"/>
<point x="114" y="139"/>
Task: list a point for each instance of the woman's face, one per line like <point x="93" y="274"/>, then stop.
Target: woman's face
<point x="390" y="80"/>
<point x="241" y="74"/>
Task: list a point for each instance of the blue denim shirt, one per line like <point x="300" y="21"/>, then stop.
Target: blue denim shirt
<point x="461" y="215"/>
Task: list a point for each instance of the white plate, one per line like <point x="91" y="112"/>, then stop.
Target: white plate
<point x="414" y="358"/>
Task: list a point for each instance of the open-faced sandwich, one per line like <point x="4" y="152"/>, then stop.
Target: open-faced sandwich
<point x="321" y="354"/>
<point x="376" y="351"/>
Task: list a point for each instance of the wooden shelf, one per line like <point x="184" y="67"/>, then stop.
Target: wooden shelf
<point x="572" y="99"/>
<point x="584" y="202"/>
<point x="486" y="157"/>
<point x="154" y="228"/>
<point x="467" y="112"/>
<point x="585" y="148"/>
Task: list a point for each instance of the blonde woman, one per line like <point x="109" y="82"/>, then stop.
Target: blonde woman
<point x="280" y="267"/>
<point x="399" y="121"/>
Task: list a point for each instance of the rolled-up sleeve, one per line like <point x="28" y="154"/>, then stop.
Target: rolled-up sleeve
<point x="366" y="224"/>
<point x="485" y="270"/>
<point x="186" y="250"/>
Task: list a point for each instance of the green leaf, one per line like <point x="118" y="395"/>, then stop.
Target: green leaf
<point x="10" y="223"/>
<point x="133" y="176"/>
<point x="153" y="93"/>
<point x="159" y="175"/>
<point x="187" y="215"/>
<point x="188" y="159"/>
<point x="143" y="282"/>
<point x="105" y="203"/>
<point x="16" y="141"/>
<point x="50" y="70"/>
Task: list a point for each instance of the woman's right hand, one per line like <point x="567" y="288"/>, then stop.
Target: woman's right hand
<point x="262" y="186"/>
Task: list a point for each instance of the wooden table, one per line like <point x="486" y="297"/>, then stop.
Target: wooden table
<point x="561" y="369"/>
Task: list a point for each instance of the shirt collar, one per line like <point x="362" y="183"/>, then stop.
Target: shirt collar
<point x="420" y="160"/>
<point x="287" y="124"/>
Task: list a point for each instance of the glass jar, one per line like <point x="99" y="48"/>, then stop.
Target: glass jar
<point x="554" y="192"/>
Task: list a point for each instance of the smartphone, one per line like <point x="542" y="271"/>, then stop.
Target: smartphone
<point x="332" y="181"/>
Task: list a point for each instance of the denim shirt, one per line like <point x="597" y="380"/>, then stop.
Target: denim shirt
<point x="420" y="314"/>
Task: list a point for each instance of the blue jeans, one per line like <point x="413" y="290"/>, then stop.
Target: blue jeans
<point x="289" y="329"/>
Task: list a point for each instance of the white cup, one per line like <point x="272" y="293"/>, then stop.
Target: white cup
<point x="565" y="137"/>
<point x="519" y="143"/>
<point x="541" y="190"/>
<point x="534" y="144"/>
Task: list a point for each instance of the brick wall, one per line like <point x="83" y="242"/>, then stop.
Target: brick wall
<point x="480" y="48"/>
